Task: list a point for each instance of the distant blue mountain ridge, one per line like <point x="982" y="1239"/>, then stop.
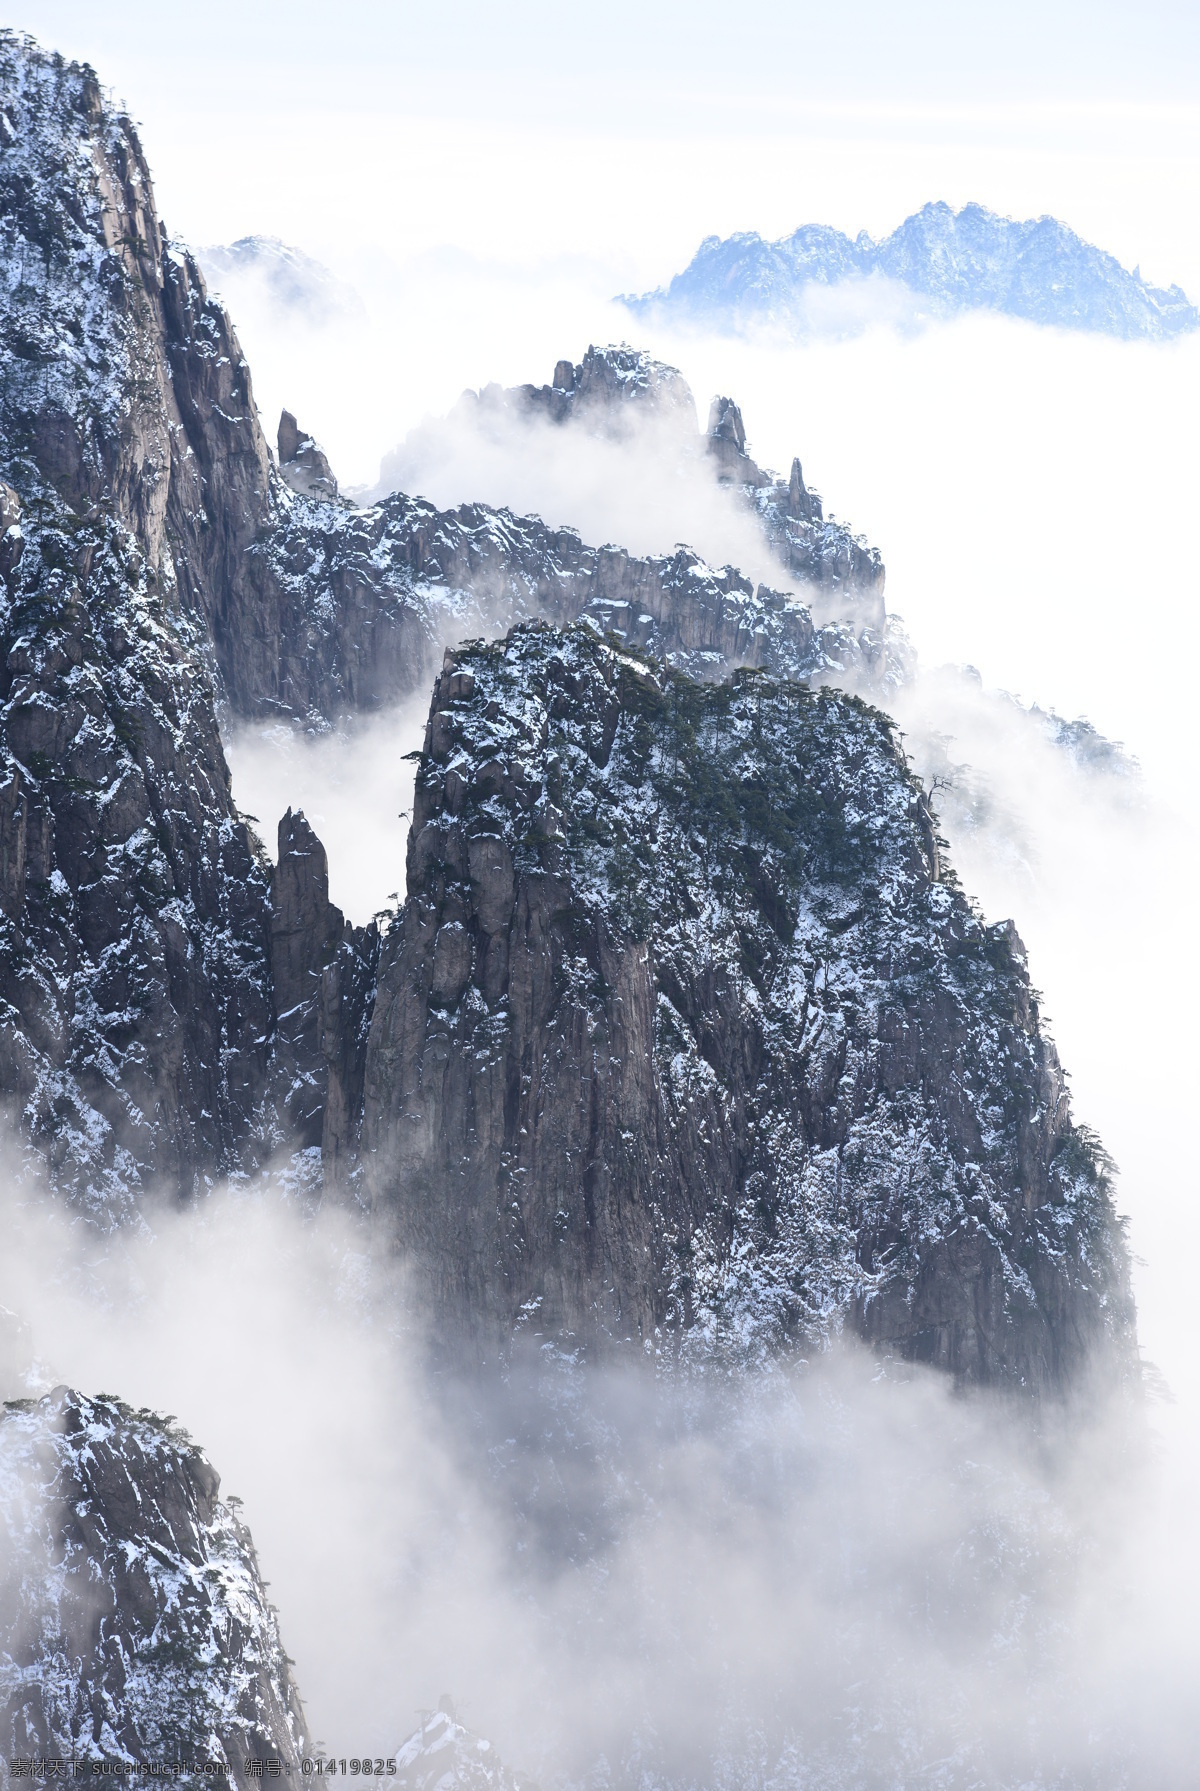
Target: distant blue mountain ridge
<point x="939" y="262"/>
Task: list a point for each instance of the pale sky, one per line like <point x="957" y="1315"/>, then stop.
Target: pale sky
<point x="547" y="53"/>
<point x="624" y="133"/>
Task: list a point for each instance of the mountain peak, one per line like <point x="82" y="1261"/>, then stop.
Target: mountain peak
<point x="937" y="262"/>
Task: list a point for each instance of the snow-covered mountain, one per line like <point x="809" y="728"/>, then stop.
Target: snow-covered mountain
<point x="683" y="1039"/>
<point x="174" y="1009"/>
<point x="938" y="262"/>
<point x="124" y="1581"/>
<point x="689" y="1023"/>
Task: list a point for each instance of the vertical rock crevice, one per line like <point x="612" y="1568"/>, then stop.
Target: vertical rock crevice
<point x="322" y="975"/>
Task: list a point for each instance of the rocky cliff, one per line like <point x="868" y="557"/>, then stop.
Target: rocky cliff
<point x="624" y="395"/>
<point x="157" y="568"/>
<point x="721" y="1049"/>
<point x="323" y="979"/>
<point x="303" y="464"/>
<point x="135" y="1000"/>
<point x="687" y="1040"/>
<point x="133" y="1622"/>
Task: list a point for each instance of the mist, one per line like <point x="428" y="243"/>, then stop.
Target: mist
<point x="839" y="1573"/>
<point x="1031" y="493"/>
<point x="355" y="787"/>
<point x="646" y="489"/>
<point x="806" y="1578"/>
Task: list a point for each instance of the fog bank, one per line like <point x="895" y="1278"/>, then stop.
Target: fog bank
<point x="817" y="1577"/>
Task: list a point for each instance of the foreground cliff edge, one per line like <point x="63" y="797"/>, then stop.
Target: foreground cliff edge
<point x="134" y="1626"/>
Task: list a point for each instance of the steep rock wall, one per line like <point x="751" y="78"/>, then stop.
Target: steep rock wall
<point x="355" y="607"/>
<point x="686" y="1039"/>
<point x="135" y="999"/>
<point x="323" y="975"/>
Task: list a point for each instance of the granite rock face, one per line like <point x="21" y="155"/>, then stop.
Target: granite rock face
<point x="686" y="1040"/>
<point x="134" y="1626"/>
<point x="303" y="465"/>
<point x="618" y="390"/>
<point x="323" y="977"/>
<point x="135" y="1002"/>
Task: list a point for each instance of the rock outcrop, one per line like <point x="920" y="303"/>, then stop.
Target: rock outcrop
<point x="612" y="389"/>
<point x="618" y="390"/>
<point x="134" y="1627"/>
<point x="323" y="977"/>
<point x="844" y="575"/>
<point x="686" y="1040"/>
<point x="303" y="465"/>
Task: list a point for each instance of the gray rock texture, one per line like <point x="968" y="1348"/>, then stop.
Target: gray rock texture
<point x="687" y="1041"/>
<point x="135" y="1001"/>
<point x="303" y="465"/>
<point x="617" y="390"/>
<point x="323" y="977"/>
<point x="134" y="1626"/>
